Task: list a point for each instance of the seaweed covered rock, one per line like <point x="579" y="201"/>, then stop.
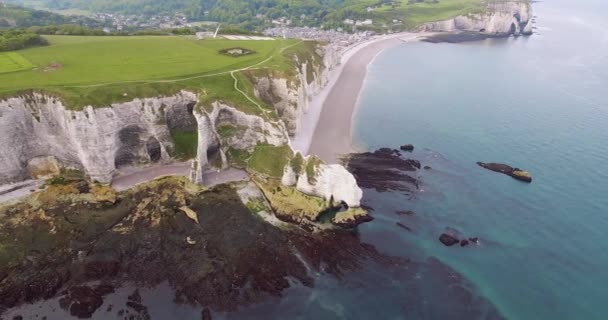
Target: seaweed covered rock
<point x="514" y="173"/>
<point x="351" y="218"/>
<point x="384" y="170"/>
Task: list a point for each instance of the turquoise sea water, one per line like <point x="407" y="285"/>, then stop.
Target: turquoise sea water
<point x="538" y="103"/>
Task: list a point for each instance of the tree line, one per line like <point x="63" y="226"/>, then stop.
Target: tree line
<point x="12" y="40"/>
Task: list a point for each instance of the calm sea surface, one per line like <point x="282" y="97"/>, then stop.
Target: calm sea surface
<point x="538" y="103"/>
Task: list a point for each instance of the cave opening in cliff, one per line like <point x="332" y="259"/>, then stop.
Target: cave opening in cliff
<point x="130" y="141"/>
<point x="153" y="148"/>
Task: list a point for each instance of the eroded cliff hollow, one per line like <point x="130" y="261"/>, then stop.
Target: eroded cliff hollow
<point x="501" y="18"/>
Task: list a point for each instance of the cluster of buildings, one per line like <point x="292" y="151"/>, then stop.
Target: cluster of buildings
<point x="121" y="22"/>
<point x="358" y="23"/>
<point x="333" y="36"/>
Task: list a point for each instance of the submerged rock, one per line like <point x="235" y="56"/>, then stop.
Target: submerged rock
<point x="405" y="213"/>
<point x="206" y="314"/>
<point x="515" y="173"/>
<point x="407" y="147"/>
<point x="448" y="240"/>
<point x="402" y="226"/>
<point x="83" y="301"/>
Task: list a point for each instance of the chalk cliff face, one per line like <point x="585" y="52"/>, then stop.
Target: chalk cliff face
<point x="99" y="140"/>
<point x="501" y="18"/>
<point x="252" y="130"/>
<point x="95" y="140"/>
<point x="330" y="182"/>
<point x="291" y="97"/>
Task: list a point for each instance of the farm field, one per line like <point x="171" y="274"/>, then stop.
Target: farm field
<point x="90" y="70"/>
<point x="13" y="61"/>
<point x="413" y="14"/>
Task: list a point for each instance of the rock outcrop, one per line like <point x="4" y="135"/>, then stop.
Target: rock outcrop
<point x="43" y="167"/>
<point x="448" y="239"/>
<point x="333" y="183"/>
<point x="502" y="18"/>
<point x="514" y="173"/>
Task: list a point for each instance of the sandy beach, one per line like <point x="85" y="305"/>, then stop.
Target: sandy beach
<point x="326" y="128"/>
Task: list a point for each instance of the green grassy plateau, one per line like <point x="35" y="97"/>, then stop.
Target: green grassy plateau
<point x="412" y="14"/>
<point x="97" y="71"/>
<point x="13" y="61"/>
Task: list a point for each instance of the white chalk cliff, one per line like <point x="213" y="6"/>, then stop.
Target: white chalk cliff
<point x="331" y="182"/>
<point x="291" y="97"/>
<point x="36" y="127"/>
<point x="501" y="18"/>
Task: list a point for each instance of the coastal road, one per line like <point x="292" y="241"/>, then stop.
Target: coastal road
<point x="132" y="176"/>
<point x="17" y="190"/>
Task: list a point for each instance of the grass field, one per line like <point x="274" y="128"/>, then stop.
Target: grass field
<point x="100" y="70"/>
<point x="13" y="61"/>
<point x="414" y="14"/>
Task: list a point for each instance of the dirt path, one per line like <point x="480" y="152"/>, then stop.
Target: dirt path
<point x="132" y="176"/>
<point x="17" y="190"/>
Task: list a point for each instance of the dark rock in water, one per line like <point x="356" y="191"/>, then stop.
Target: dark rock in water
<point x="427" y="168"/>
<point x="83" y="301"/>
<point x="405" y="213"/>
<point x="135" y="296"/>
<point x="206" y="314"/>
<point x="383" y="170"/>
<point x="402" y="226"/>
<point x="407" y="147"/>
<point x="448" y="240"/>
<point x="474" y="240"/>
<point x="464" y="242"/>
<point x="515" y="173"/>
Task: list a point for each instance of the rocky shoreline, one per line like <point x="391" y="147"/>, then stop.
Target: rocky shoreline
<point x="87" y="243"/>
